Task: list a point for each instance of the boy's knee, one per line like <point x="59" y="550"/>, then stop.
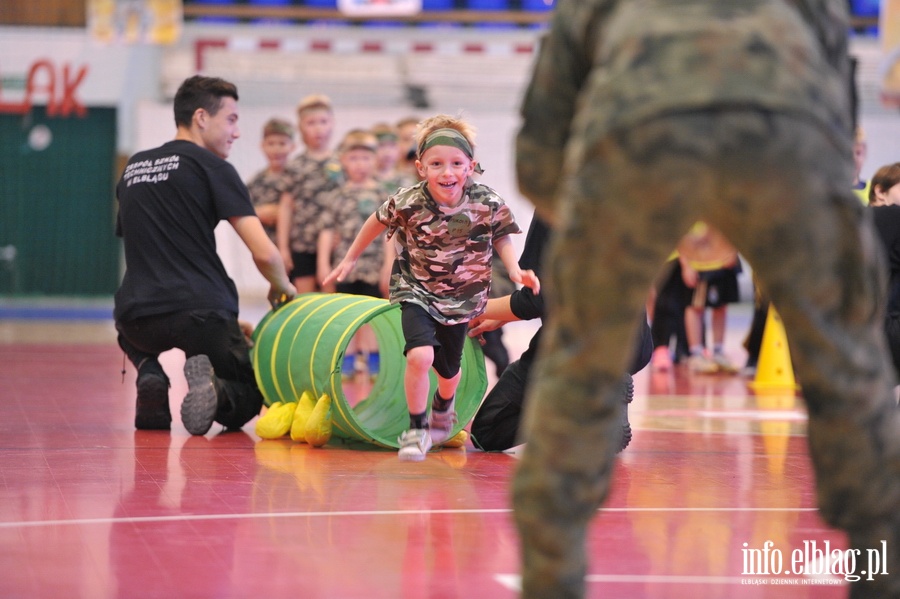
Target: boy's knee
<point x="420" y="358"/>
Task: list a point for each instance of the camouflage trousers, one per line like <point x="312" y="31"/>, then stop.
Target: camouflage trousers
<point x="779" y="188"/>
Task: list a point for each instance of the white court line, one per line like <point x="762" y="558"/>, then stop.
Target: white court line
<point x="753" y="414"/>
<point x="733" y="433"/>
<point x="779" y="415"/>
<point x="258" y="516"/>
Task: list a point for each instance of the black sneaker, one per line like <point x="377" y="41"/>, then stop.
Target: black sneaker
<point x="152" y="406"/>
<point x="198" y="410"/>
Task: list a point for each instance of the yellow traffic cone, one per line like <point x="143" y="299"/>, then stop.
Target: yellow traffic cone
<point x="774" y="368"/>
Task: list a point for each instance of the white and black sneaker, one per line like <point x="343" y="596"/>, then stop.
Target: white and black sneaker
<point x="414" y="445"/>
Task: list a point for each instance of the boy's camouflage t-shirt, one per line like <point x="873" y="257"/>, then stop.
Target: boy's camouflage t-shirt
<point x="444" y="253"/>
<point x="266" y="188"/>
<point x="308" y="181"/>
<point x="345" y="212"/>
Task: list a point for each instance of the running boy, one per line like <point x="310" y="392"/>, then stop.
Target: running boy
<point x="267" y="185"/>
<point x="444" y="229"/>
<point x="310" y="176"/>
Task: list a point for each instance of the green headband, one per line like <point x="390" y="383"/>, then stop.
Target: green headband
<point x="447" y="137"/>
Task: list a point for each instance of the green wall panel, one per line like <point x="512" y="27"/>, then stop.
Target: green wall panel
<point x="57" y="204"/>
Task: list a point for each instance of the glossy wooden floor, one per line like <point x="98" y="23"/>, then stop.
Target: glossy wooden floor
<point x="90" y="508"/>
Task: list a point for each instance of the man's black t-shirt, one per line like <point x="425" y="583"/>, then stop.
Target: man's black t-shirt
<point x="170" y="200"/>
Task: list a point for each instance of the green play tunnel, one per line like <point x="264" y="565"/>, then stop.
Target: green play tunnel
<point x="301" y="346"/>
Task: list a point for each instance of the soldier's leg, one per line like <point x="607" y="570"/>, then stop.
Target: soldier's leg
<point x="810" y="242"/>
<point x="611" y="239"/>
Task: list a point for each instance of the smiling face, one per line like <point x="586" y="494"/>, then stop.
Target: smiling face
<point x="218" y="131"/>
<point x="445" y="170"/>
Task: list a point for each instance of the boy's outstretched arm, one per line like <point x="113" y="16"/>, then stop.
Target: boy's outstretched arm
<point x="507" y="254"/>
<point x="371" y="229"/>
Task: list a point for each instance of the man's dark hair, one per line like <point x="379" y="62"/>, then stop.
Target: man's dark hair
<point x="201" y="92"/>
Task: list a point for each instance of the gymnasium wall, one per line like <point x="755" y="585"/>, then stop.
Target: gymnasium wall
<point x="372" y="75"/>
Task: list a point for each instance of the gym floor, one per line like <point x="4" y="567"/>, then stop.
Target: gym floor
<point x="714" y="493"/>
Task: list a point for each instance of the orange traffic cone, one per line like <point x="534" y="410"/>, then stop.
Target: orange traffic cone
<point x="774" y="369"/>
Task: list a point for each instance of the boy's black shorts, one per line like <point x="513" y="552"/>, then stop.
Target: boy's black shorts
<point x="420" y="329"/>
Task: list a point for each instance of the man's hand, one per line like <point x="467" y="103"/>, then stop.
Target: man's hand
<point x="481" y="325"/>
<point x="278" y="297"/>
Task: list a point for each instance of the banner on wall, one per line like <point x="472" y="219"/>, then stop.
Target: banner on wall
<point x="134" y="21"/>
<point x="379" y="8"/>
